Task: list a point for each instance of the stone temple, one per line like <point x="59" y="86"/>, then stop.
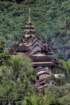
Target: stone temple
<point x="40" y="53"/>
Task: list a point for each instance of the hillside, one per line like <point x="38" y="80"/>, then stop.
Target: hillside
<point x="30" y="72"/>
<point x="50" y="17"/>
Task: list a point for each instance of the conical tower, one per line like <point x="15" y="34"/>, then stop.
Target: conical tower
<point x="29" y="29"/>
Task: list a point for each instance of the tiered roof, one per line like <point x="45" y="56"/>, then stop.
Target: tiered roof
<point x="38" y="51"/>
<point x="29" y="29"/>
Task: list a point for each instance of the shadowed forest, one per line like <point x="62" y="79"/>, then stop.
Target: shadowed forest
<point x="51" y="19"/>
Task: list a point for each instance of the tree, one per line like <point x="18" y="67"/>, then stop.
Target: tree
<point x="66" y="66"/>
<point x="16" y="76"/>
<point x="2" y="44"/>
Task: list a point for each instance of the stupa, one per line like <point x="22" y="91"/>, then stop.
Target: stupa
<point x="42" y="55"/>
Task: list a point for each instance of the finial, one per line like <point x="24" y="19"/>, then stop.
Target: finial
<point x="29" y="19"/>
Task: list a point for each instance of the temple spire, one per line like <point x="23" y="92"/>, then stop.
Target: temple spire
<point x="29" y="29"/>
<point x="29" y="18"/>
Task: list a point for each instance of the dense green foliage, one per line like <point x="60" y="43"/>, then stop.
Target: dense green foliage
<point x="17" y="84"/>
<point x="52" y="22"/>
<point x="51" y="18"/>
<point x="16" y="74"/>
